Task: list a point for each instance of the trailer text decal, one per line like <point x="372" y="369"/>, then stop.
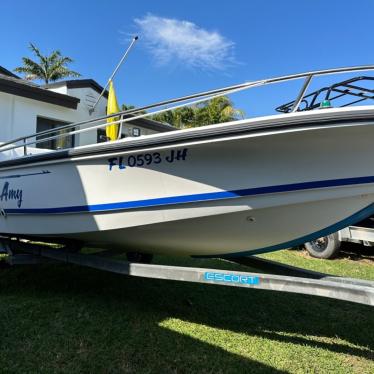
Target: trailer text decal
<point x="140" y="160"/>
<point x="231" y="278"/>
<point x="11" y="194"/>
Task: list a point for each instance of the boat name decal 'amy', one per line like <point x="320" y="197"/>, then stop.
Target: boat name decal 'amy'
<point x="122" y="162"/>
<point x="11" y="194"/>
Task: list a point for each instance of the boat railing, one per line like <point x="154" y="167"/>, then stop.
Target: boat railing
<point x="345" y="93"/>
<point x="131" y="115"/>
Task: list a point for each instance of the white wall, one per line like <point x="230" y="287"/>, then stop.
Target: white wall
<point x="88" y="97"/>
<point x="18" y="115"/>
<point x="62" y="90"/>
<point x="6" y="116"/>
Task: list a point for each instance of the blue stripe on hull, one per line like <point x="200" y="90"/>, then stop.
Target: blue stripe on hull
<point x="196" y="197"/>
<point x="359" y="216"/>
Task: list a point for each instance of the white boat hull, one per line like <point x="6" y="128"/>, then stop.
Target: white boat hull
<point x="235" y="194"/>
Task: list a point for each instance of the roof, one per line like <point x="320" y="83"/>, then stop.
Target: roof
<point x="151" y="124"/>
<point x="11" y="84"/>
<point x="78" y="83"/>
<point x="7" y="72"/>
<point x="90" y="83"/>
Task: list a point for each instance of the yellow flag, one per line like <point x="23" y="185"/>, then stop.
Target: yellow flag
<point x="112" y="130"/>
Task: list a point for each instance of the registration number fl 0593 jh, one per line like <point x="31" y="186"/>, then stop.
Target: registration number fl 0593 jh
<point x="144" y="159"/>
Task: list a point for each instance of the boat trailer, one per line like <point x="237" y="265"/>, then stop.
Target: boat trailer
<point x="288" y="279"/>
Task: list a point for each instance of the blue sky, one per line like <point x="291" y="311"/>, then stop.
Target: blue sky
<point x="190" y="46"/>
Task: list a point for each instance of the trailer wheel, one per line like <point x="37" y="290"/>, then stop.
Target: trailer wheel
<point x="324" y="247"/>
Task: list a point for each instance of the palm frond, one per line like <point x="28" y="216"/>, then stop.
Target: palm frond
<point x="30" y="67"/>
<point x="49" y="67"/>
<point x="54" y="56"/>
<point x="66" y="60"/>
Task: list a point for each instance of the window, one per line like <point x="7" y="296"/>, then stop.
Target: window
<point x="135" y="131"/>
<point x="101" y="136"/>
<point x="43" y="124"/>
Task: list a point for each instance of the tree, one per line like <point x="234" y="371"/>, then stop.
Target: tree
<point x="217" y="110"/>
<point x="129" y="106"/>
<point x="179" y="118"/>
<point x="47" y="68"/>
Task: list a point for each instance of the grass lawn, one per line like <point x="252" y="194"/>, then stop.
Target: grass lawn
<point x="62" y="318"/>
<point x="355" y="261"/>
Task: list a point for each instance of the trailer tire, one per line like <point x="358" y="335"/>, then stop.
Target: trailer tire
<point x="324" y="247"/>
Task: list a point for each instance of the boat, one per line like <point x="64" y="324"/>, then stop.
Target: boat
<point x="234" y="189"/>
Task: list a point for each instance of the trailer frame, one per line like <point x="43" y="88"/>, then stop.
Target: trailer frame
<point x="297" y="280"/>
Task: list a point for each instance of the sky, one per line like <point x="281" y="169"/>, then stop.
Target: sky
<point x="190" y="46"/>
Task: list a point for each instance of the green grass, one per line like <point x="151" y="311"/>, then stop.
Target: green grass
<point x="353" y="262"/>
<point x="62" y="318"/>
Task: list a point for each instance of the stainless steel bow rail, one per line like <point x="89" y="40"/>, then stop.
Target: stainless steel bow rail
<point x="302" y="281"/>
<point x="355" y="90"/>
<point x="133" y="114"/>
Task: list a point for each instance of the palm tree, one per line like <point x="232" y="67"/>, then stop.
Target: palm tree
<point x="179" y="118"/>
<point x="129" y="106"/>
<point x="217" y="110"/>
<point x="48" y="68"/>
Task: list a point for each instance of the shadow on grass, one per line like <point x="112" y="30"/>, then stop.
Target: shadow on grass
<point x="85" y="320"/>
<point x="356" y="252"/>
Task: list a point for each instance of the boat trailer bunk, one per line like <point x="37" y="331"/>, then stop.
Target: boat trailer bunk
<point x="292" y="279"/>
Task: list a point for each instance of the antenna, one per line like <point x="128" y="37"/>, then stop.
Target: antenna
<point x="134" y="39"/>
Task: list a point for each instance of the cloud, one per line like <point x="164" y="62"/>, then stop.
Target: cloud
<point x="172" y="40"/>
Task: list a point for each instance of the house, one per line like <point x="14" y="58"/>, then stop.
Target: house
<point x="27" y="108"/>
